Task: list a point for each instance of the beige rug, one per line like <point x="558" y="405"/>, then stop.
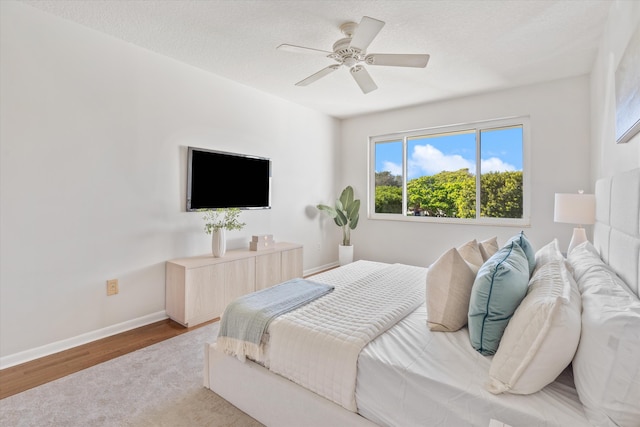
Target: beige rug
<point x="160" y="385"/>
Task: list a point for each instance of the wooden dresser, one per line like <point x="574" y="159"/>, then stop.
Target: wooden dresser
<point x="199" y="288"/>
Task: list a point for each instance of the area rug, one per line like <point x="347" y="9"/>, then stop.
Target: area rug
<point x="160" y="385"/>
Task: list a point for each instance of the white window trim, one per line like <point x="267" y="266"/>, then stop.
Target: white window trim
<point x="525" y="221"/>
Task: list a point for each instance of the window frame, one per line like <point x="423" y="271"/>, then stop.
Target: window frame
<point x="404" y="136"/>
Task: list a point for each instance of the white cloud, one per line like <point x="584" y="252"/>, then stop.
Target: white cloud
<point x="428" y="160"/>
<point x="494" y="164"/>
<point x="394" y="168"/>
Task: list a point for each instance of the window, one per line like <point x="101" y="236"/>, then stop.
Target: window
<point x="472" y="173"/>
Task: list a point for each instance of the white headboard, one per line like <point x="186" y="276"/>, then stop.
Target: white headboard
<point x="616" y="233"/>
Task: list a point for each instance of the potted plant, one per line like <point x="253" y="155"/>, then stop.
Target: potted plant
<point x="217" y="221"/>
<point x="345" y="214"/>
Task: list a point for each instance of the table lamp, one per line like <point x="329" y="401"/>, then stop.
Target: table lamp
<point x="577" y="208"/>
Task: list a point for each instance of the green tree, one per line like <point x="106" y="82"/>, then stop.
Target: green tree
<point x="445" y="194"/>
<point x="501" y="194"/>
<point x="452" y="194"/>
<point x="385" y="178"/>
<point x="388" y="199"/>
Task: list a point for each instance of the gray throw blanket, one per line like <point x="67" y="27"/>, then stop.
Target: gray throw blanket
<point x="245" y="320"/>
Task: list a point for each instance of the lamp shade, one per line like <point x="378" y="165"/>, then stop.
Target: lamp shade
<point x="575" y="208"/>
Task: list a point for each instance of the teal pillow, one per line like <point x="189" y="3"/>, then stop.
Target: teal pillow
<point x="499" y="287"/>
<point x="528" y="249"/>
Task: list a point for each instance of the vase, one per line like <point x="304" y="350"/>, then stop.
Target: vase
<point x="219" y="242"/>
<point x="345" y="254"/>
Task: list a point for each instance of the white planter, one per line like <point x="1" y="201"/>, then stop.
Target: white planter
<point x="219" y="242"/>
<point x="345" y="254"/>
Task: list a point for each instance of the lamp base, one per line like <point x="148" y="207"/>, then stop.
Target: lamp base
<point x="579" y="236"/>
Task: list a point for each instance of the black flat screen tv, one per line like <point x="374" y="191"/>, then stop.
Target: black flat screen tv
<point x="218" y="179"/>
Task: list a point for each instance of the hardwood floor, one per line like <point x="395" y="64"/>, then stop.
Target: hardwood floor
<point x="22" y="377"/>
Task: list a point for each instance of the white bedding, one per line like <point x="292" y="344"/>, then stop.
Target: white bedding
<point x="317" y="346"/>
<point x="411" y="376"/>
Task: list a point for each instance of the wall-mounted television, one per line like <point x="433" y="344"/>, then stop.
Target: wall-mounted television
<point x="218" y="179"/>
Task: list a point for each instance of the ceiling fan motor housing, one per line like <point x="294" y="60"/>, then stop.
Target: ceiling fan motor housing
<point x="346" y="55"/>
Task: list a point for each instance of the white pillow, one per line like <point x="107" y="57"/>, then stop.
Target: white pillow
<point x="549" y="252"/>
<point x="583" y="258"/>
<point x="449" y="282"/>
<point x="542" y="336"/>
<point x="606" y="366"/>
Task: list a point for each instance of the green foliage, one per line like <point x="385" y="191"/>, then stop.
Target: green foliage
<point x="445" y="194"/>
<point x="501" y="195"/>
<point x="227" y="218"/>
<point x="452" y="194"/>
<point x="388" y="199"/>
<point x="345" y="213"/>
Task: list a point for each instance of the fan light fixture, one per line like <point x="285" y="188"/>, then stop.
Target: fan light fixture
<point x="575" y="208"/>
<point x="352" y="50"/>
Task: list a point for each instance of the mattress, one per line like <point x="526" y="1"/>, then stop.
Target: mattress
<point x="411" y="376"/>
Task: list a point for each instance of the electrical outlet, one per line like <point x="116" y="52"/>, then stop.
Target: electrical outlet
<point x="112" y="287"/>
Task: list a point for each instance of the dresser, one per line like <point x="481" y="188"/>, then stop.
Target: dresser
<point x="198" y="289"/>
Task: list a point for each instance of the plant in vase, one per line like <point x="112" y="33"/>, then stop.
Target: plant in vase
<point x="345" y="214"/>
<point x="217" y="221"/>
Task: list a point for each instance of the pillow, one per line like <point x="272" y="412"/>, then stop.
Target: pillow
<point x="548" y="253"/>
<point x="470" y="251"/>
<point x="499" y="287"/>
<point x="526" y="246"/>
<point x="488" y="247"/>
<point x="542" y="336"/>
<point x="583" y="258"/>
<point x="606" y="366"/>
<point x="449" y="282"/>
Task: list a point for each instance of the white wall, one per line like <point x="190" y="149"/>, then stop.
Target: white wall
<point x="559" y="158"/>
<point x="93" y="175"/>
<point x="607" y="156"/>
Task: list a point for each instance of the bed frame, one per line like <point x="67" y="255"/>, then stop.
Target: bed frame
<point x="276" y="401"/>
<point x="270" y="398"/>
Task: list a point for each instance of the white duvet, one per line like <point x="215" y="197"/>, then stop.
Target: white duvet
<point x="317" y="346"/>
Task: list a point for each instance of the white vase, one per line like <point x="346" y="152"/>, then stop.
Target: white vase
<point x="345" y="254"/>
<point x="219" y="242"/>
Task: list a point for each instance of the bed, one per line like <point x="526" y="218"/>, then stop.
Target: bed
<point x="407" y="374"/>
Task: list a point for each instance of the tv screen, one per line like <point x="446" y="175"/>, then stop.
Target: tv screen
<point x="217" y="179"/>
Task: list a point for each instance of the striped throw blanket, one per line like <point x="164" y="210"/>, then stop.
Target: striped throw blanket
<point x="245" y="320"/>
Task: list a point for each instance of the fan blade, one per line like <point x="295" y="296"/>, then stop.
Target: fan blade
<point x="367" y="30"/>
<point x="364" y="80"/>
<point x="320" y="74"/>
<point x="397" y="60"/>
<point x="300" y="49"/>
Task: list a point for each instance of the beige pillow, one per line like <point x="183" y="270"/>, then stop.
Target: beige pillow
<point x="542" y="336"/>
<point x="449" y="282"/>
<point x="488" y="247"/>
<point x="470" y="252"/>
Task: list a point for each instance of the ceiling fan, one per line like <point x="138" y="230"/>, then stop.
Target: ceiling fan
<point x="351" y="52"/>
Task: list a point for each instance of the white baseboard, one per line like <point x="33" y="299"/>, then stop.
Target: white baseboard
<point x="56" y="347"/>
<point x="320" y="269"/>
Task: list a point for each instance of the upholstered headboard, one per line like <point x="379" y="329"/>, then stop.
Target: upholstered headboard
<point x="616" y="233"/>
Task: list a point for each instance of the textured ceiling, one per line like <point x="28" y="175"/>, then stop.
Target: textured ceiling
<point x="475" y="46"/>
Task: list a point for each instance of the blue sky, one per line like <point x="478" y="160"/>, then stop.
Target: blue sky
<point x="501" y="151"/>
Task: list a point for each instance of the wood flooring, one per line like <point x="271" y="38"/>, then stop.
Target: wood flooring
<point x="31" y="374"/>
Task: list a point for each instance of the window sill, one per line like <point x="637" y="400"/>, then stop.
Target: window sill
<point x="495" y="222"/>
